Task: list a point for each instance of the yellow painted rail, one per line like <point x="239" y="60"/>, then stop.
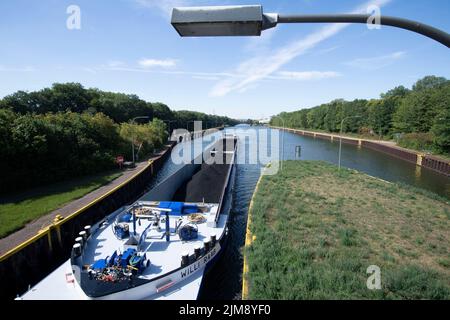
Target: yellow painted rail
<point x="249" y="238"/>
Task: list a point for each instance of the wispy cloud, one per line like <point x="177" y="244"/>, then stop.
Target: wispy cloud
<point x="375" y="63"/>
<point x="17" y="69"/>
<point x="305" y="75"/>
<point x="262" y="66"/>
<point x="203" y="75"/>
<point x="116" y="63"/>
<point x="164" y="7"/>
<point x="208" y="78"/>
<point x="258" y="44"/>
<point x="89" y="70"/>
<point x="151" y="63"/>
<point x="327" y="50"/>
<point x="214" y="76"/>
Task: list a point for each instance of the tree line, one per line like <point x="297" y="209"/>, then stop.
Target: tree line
<point x="120" y="107"/>
<point x="67" y="131"/>
<point x="418" y="118"/>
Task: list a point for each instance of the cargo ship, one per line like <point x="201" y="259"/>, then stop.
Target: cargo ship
<point x="158" y="247"/>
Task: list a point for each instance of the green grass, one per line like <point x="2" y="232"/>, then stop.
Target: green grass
<point x="17" y="210"/>
<point x="318" y="230"/>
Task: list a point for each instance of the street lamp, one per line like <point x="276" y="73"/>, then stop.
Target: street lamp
<point x="133" y="121"/>
<point x="168" y="123"/>
<point x="249" y="20"/>
<point x="187" y="125"/>
<point x="340" y="139"/>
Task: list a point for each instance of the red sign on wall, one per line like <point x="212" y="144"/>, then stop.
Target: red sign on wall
<point x="119" y="160"/>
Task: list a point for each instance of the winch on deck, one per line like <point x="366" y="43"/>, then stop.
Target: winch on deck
<point x="158" y="214"/>
<point x="119" y="266"/>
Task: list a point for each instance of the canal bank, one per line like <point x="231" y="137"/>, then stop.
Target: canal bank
<point x="249" y="238"/>
<point x="430" y="162"/>
<point x="319" y="230"/>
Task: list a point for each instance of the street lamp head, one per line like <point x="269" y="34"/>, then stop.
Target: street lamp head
<point x="248" y="20"/>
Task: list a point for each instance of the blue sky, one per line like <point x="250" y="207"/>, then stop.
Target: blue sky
<point x="129" y="46"/>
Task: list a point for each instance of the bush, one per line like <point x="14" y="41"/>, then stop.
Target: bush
<point x="418" y="141"/>
<point x="146" y="138"/>
<point x="56" y="146"/>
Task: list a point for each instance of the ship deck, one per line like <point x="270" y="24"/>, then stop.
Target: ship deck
<point x="164" y="256"/>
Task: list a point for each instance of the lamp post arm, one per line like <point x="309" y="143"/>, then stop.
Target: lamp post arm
<point x="418" y="27"/>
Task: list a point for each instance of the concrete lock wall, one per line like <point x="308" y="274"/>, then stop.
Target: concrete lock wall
<point x="166" y="191"/>
<point x="399" y="153"/>
<point x="436" y="164"/>
<point x="427" y="161"/>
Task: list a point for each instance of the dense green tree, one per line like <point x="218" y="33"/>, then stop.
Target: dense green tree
<point x="421" y="115"/>
<point x="430" y="82"/>
<point x="417" y="111"/>
<point x="19" y="101"/>
<point x="67" y="130"/>
<point x="441" y="127"/>
<point x="40" y="149"/>
<point x="121" y="107"/>
<point x="162" y="111"/>
<point x="380" y="113"/>
<point x="399" y="91"/>
<point x="330" y="120"/>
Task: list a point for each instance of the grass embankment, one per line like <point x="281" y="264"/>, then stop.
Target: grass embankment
<point x="318" y="230"/>
<point x="18" y="210"/>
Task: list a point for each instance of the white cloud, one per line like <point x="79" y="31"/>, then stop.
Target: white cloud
<point x="89" y="70"/>
<point x="375" y="63"/>
<point x="305" y="75"/>
<point x="163" y="6"/>
<point x="116" y="63"/>
<point x="262" y="66"/>
<point x="257" y="44"/>
<point x="17" y="69"/>
<point x="214" y="76"/>
<point x="151" y="63"/>
<point x="208" y="78"/>
<point x="327" y="50"/>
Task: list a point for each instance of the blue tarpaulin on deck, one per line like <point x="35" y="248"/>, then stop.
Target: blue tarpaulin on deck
<point x="178" y="208"/>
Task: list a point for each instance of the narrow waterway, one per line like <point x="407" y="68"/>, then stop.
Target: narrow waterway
<point x="224" y="279"/>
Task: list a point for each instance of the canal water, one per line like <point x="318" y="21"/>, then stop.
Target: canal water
<point x="224" y="279"/>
